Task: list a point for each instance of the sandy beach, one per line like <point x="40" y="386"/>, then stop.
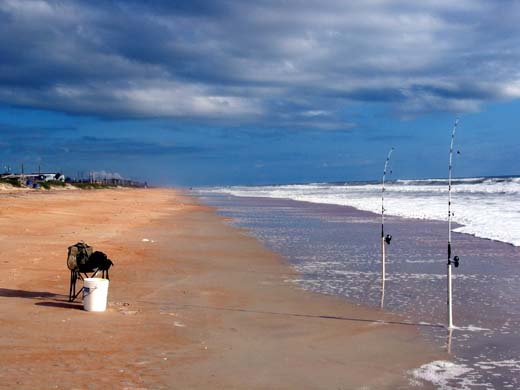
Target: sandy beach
<point x="193" y="303"/>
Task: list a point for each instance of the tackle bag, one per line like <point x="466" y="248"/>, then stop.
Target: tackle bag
<point x="78" y="257"/>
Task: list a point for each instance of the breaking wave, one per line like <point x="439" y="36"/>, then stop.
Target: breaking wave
<point x="486" y="207"/>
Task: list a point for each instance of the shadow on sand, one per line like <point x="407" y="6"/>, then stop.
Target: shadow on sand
<point x="9" y="293"/>
<point x="58" y="300"/>
<point x="61" y="304"/>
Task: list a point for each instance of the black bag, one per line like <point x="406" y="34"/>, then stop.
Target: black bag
<point x="100" y="261"/>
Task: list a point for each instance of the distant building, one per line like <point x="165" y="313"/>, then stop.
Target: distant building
<point x="34" y="176"/>
<point x="51" y="177"/>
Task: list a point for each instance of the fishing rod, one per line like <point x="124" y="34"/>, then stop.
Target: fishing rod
<point x="455" y="260"/>
<point x="384" y="239"/>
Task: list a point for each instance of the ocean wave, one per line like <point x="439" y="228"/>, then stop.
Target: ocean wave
<point x="486" y="207"/>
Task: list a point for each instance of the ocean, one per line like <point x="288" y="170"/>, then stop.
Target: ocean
<point x="486" y="207"/>
<point x="330" y="233"/>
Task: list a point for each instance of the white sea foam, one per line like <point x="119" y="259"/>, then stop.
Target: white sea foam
<point x="472" y="328"/>
<point x="486" y="207"/>
<point x="442" y="373"/>
<point x="511" y="364"/>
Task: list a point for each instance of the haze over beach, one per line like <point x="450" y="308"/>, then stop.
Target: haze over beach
<point x="264" y="128"/>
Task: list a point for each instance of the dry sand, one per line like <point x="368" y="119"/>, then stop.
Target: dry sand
<point x="193" y="303"/>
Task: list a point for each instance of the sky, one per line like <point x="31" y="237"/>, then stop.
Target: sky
<point x="202" y="93"/>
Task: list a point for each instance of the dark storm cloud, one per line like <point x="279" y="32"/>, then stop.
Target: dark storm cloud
<point x="27" y="140"/>
<point x="8" y="130"/>
<point x="91" y="146"/>
<point x="261" y="62"/>
<point x="36" y="142"/>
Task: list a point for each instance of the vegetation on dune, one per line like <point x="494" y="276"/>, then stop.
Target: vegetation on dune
<point x="95" y="186"/>
<point x="52" y="183"/>
<point x="13" y="182"/>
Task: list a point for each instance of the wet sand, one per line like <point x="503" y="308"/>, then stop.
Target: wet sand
<point x="337" y="252"/>
<point x="193" y="303"/>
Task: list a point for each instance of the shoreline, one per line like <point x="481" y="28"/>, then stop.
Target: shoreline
<point x="455" y="225"/>
<point x="484" y="208"/>
<point x="200" y="304"/>
<point x="337" y="252"/>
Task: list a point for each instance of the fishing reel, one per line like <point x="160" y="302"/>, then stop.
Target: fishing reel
<point x="455" y="261"/>
<point x="388" y="238"/>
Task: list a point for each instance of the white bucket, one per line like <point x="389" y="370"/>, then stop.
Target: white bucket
<point x="95" y="292"/>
